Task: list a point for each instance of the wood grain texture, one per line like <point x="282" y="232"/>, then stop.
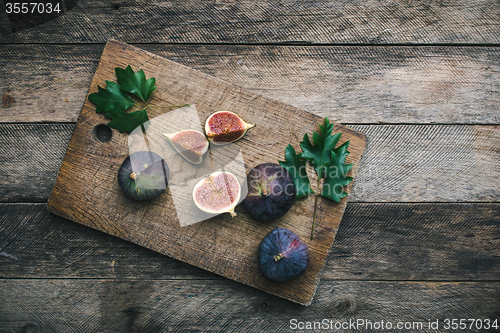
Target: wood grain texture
<point x="417" y="242"/>
<point x="30" y="158"/>
<point x="86" y="190"/>
<point x="317" y="22"/>
<point x="225" y="306"/>
<point x="438" y="162"/>
<point x="433" y="242"/>
<point x="349" y="84"/>
<point x="46" y="83"/>
<point x="58" y="276"/>
<point x="403" y="163"/>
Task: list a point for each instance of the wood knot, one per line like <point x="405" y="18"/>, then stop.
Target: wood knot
<point x="31" y="328"/>
<point x="8" y="100"/>
<point x="262" y="307"/>
<point x="346" y="305"/>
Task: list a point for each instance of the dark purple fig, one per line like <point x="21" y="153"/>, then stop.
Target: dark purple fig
<point x="143" y="175"/>
<point x="283" y="255"/>
<point x="271" y="192"/>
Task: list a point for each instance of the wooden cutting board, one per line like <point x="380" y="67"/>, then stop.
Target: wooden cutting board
<point x="86" y="190"/>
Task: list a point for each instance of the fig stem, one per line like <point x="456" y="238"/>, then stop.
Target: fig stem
<point x="315" y="207"/>
<point x="278" y="257"/>
<point x="166" y="106"/>
<point x="233" y="214"/>
<point x="133" y="175"/>
<point x="263" y="189"/>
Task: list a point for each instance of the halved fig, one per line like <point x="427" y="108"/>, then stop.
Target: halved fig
<point x="223" y="127"/>
<point x="218" y="193"/>
<point x="191" y="144"/>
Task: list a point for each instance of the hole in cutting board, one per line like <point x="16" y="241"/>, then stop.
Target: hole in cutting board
<point x="102" y="133"/>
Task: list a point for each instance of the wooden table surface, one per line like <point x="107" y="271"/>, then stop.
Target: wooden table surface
<point x="420" y="240"/>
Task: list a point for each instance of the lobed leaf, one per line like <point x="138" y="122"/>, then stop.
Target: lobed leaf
<point x="111" y="101"/>
<point x="319" y="152"/>
<point x="336" y="174"/>
<point x="296" y="166"/>
<point x="127" y="122"/>
<point x="135" y="82"/>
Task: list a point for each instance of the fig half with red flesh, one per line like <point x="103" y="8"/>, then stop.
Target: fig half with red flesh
<point x="190" y="144"/>
<point x="223" y="127"/>
<point x="218" y="193"/>
<point x="283" y="255"/>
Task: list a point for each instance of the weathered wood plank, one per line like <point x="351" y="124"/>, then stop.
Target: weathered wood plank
<point x="381" y="22"/>
<point x="403" y="163"/>
<point x="37" y="243"/>
<point x="458" y="242"/>
<point x="417" y="242"/>
<point x="77" y="305"/>
<point x="429" y="164"/>
<point x="347" y="84"/>
<point x="31" y="157"/>
<point x="45" y="83"/>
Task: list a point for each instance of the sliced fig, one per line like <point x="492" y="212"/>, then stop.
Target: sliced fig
<point x="143" y="175"/>
<point x="223" y="127"/>
<point x="283" y="255"/>
<point x="218" y="193"/>
<point x="271" y="192"/>
<point x="191" y="144"/>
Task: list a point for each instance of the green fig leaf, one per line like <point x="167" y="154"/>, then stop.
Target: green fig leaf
<point x="135" y="82"/>
<point x="127" y="122"/>
<point x="328" y="162"/>
<point x="296" y="167"/>
<point x="111" y="100"/>
<point x="319" y="151"/>
<point x="336" y="174"/>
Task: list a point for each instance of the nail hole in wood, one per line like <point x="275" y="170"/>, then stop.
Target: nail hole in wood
<point x="102" y="133"/>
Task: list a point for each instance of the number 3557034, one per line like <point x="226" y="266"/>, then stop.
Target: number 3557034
<point x="32" y="8"/>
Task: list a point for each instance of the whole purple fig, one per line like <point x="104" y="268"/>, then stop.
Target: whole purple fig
<point x="283" y="255"/>
<point x="143" y="175"/>
<point x="271" y="192"/>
